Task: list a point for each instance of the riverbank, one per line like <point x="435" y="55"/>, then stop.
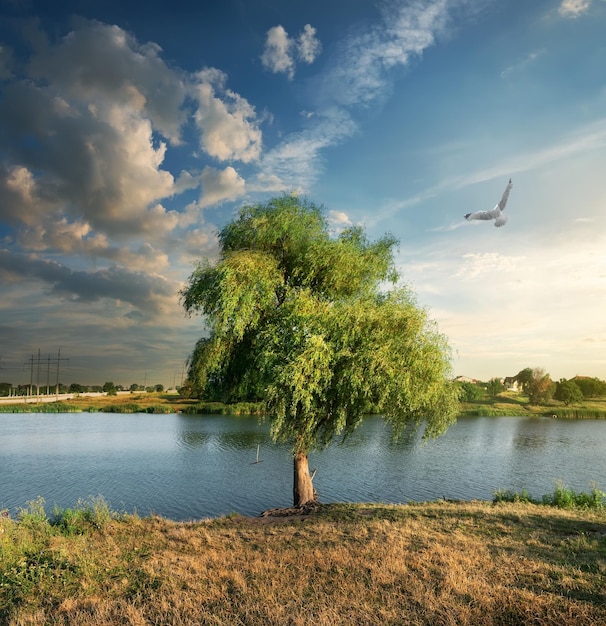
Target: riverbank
<point x="516" y="404"/>
<point x="474" y="563"/>
<point x="137" y="402"/>
<point x="506" y="403"/>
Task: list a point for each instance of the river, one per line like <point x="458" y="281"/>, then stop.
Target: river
<point x="191" y="467"/>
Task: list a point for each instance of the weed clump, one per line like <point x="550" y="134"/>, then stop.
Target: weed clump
<point x="562" y="497"/>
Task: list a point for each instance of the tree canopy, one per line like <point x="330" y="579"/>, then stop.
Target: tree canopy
<point x="540" y="388"/>
<point x="302" y="321"/>
<point x="568" y="392"/>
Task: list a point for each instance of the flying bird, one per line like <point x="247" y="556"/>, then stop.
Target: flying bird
<point x="497" y="213"/>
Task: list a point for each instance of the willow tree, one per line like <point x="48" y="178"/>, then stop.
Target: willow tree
<point x="302" y="321"/>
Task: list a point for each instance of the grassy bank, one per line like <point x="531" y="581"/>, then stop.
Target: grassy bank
<point x="511" y="403"/>
<point x="436" y="563"/>
<point x="506" y="403"/>
<point x="131" y="403"/>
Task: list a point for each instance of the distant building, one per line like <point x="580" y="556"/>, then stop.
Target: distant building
<point x="465" y="379"/>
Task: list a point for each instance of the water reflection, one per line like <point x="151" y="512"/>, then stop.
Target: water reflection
<point x="193" y="439"/>
<point x="222" y="432"/>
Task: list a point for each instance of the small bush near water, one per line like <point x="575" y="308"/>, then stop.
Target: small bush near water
<point x="34" y="407"/>
<point x="562" y="497"/>
<point x="135" y="408"/>
<point x="576" y="413"/>
<point x="218" y="408"/>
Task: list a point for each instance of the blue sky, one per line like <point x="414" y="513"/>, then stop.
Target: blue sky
<point x="131" y="134"/>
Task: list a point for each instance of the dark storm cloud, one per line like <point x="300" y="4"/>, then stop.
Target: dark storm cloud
<point x="146" y="292"/>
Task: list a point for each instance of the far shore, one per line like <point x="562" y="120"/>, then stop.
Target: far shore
<point x="504" y="404"/>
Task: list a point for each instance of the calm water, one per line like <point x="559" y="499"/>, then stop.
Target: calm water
<point x="191" y="467"/>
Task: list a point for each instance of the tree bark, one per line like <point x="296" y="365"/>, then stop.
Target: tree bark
<point x="303" y="489"/>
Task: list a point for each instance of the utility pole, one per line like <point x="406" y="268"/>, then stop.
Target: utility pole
<point x="38" y="377"/>
<point x="59" y="359"/>
<point x="48" y="376"/>
<point x="37" y="360"/>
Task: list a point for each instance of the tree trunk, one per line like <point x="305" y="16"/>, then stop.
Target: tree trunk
<point x="303" y="489"/>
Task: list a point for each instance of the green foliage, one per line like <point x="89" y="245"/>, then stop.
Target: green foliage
<point x="127" y="407"/>
<point x="568" y="392"/>
<point x="540" y="388"/>
<point x="297" y="319"/>
<point x="34" y="515"/>
<point x="29" y="566"/>
<point x="576" y="413"/>
<point x="219" y="408"/>
<point x="34" y="407"/>
<point x="88" y="514"/>
<point x="494" y="387"/>
<point x="470" y="392"/>
<point x="507" y="495"/>
<point x="93" y="513"/>
<point x="590" y="387"/>
<point x="110" y="389"/>
<point x="562" y="497"/>
<point x="524" y="377"/>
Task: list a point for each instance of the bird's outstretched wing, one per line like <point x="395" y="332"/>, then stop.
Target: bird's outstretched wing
<point x="505" y="196"/>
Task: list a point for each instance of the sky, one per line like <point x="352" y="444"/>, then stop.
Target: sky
<point x="131" y="133"/>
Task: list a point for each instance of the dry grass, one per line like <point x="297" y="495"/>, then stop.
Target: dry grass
<point x="437" y="563"/>
<point x="123" y="402"/>
<point x="142" y="399"/>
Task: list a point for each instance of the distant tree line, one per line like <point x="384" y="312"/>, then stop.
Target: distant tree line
<point x="537" y="384"/>
<point x="7" y="389"/>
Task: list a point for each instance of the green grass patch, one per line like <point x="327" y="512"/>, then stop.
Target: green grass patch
<point x="219" y="408"/>
<point x="562" y="497"/>
<point x="576" y="413"/>
<point x="42" y="407"/>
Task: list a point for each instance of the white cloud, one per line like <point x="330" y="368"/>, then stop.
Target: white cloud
<point x="98" y="61"/>
<point x="276" y="56"/>
<point x="281" y="51"/>
<point x="361" y="72"/>
<point x="308" y="45"/>
<point x="358" y="75"/>
<point x="201" y="243"/>
<point x="574" y="8"/>
<point x="106" y="170"/>
<point x="220" y="186"/>
<point x="338" y="221"/>
<point x="228" y="126"/>
<point x="488" y="263"/>
<point x="339" y="218"/>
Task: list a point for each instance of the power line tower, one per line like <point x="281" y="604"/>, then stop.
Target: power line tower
<point x="37" y="361"/>
<point x="59" y="359"/>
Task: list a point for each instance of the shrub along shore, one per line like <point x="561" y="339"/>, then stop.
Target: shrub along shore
<point x="439" y="563"/>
